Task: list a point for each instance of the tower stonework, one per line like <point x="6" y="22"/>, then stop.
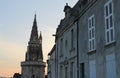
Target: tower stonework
<point x="33" y="66"/>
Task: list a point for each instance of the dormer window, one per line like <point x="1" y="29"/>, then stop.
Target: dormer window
<point x="67" y="9"/>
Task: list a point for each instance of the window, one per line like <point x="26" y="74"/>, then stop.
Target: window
<point x="66" y="72"/>
<point x="91" y="33"/>
<point x="109" y="23"/>
<point x="82" y="70"/>
<point x="72" y="70"/>
<point x="66" y="45"/>
<point x="72" y="39"/>
<point x="110" y="66"/>
<point x="92" y="69"/>
<point x="33" y="76"/>
<point x="50" y="74"/>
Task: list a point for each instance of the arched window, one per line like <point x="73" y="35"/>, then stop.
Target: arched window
<point x="33" y="76"/>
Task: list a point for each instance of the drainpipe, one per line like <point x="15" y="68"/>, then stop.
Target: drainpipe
<point x="77" y="48"/>
<point x="56" y="59"/>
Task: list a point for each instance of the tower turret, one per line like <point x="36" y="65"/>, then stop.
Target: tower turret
<point x="33" y="66"/>
<point x="40" y="49"/>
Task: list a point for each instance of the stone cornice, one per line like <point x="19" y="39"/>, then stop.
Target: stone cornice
<point x="33" y="63"/>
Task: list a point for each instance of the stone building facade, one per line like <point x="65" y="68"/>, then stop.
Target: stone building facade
<point x="51" y="64"/>
<point x="33" y="66"/>
<point x="87" y="40"/>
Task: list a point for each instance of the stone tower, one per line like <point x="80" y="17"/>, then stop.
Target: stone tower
<point x="33" y="66"/>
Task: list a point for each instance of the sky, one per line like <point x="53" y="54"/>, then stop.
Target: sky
<point x="16" y="20"/>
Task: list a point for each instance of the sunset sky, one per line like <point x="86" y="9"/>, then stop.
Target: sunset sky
<point x="16" y="20"/>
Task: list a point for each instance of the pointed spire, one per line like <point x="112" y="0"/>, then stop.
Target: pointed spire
<point x="40" y="38"/>
<point x="40" y="48"/>
<point x="35" y="18"/>
<point x="34" y="50"/>
<point x="40" y="35"/>
<point x="34" y="32"/>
